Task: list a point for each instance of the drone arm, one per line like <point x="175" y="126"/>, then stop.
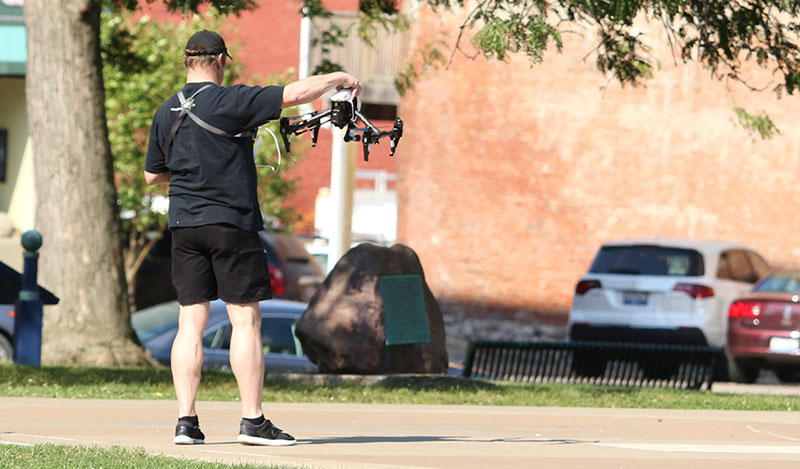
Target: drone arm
<point x="306" y="124"/>
<point x="366" y="121"/>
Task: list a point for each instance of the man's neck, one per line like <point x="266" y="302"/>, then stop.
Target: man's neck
<point x="201" y="75"/>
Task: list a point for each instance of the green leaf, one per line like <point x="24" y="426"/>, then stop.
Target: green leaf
<point x="760" y="124"/>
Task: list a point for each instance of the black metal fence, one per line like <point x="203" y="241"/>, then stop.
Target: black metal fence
<point x="606" y="363"/>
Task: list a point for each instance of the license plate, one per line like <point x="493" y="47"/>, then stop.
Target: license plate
<point x="634" y="297"/>
<point x="784" y="345"/>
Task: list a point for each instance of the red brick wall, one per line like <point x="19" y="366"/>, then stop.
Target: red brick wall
<point x="511" y="176"/>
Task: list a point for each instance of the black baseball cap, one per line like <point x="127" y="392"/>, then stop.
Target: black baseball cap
<point x="206" y="42"/>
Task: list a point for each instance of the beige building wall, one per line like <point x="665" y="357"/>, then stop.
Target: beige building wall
<point x="17" y="192"/>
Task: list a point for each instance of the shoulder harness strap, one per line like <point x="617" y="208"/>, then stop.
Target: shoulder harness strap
<point x="185" y="108"/>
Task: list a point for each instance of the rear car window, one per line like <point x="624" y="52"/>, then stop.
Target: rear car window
<point x="779" y="283"/>
<point x="648" y="260"/>
<point x="286" y="249"/>
<point x="151" y="321"/>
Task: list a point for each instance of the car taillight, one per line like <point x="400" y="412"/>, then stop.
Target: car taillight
<point x="585" y="285"/>
<point x="277" y="281"/>
<point x="11" y="313"/>
<point x="744" y="310"/>
<point x="694" y="290"/>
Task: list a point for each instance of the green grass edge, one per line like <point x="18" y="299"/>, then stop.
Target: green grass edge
<point x="78" y="382"/>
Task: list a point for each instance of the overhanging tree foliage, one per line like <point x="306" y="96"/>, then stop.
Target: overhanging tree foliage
<point x="726" y="36"/>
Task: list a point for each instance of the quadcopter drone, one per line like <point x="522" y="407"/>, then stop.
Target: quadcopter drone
<point x="344" y="113"/>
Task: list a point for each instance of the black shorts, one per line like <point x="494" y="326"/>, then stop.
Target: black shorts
<point x="219" y="261"/>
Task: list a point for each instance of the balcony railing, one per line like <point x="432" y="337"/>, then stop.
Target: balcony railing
<point x="375" y="66"/>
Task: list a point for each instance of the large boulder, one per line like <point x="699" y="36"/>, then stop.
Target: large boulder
<point x="343" y="329"/>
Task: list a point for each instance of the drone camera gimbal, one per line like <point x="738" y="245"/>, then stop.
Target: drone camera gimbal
<point x="344" y="114"/>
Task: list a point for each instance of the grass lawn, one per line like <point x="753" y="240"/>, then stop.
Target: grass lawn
<point x="59" y="457"/>
<point x="156" y="383"/>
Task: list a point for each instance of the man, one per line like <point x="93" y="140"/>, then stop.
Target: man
<point x="214" y="216"/>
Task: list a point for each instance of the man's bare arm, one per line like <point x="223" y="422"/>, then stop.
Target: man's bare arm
<point x="312" y="88"/>
<point x="160" y="178"/>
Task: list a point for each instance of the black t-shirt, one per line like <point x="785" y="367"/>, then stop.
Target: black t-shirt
<point x="213" y="178"/>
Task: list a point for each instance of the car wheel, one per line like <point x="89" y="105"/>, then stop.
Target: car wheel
<point x="788" y="375"/>
<point x="742" y="371"/>
<point x="6" y="349"/>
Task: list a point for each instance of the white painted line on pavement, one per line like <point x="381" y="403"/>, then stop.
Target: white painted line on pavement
<point x="260" y="455"/>
<point x="51" y="437"/>
<point x="750" y="427"/>
<point x="43" y="436"/>
<point x="693" y="448"/>
<point x="11" y="443"/>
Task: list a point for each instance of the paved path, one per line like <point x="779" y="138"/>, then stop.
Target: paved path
<point x="423" y="436"/>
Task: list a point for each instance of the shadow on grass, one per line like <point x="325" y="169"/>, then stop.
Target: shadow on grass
<point x="21" y="375"/>
<point x="73" y="375"/>
<point x="434" y="383"/>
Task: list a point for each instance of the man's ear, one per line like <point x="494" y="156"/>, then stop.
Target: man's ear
<point x="220" y="61"/>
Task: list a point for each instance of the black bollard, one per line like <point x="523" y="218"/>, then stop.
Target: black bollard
<point x="28" y="318"/>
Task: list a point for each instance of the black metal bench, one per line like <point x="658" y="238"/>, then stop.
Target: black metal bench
<point x="605" y="363"/>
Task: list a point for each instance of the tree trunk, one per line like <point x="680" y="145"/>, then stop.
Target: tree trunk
<point x="81" y="259"/>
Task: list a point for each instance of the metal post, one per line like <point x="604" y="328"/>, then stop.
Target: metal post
<point x="28" y="308"/>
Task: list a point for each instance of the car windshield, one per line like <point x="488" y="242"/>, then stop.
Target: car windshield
<point x="648" y="260"/>
<point x="786" y="283"/>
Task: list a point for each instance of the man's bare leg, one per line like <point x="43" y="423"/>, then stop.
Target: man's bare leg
<point x="247" y="355"/>
<point x="187" y="356"/>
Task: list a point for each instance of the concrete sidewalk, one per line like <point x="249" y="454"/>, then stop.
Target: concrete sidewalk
<point x="424" y="436"/>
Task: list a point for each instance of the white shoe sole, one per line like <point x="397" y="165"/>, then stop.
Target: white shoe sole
<point x="186" y="440"/>
<point x="256" y="441"/>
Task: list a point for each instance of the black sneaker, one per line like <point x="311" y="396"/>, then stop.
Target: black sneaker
<point x="188" y="434"/>
<point x="265" y="434"/>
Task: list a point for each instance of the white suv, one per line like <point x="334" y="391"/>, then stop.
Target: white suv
<point x="660" y="290"/>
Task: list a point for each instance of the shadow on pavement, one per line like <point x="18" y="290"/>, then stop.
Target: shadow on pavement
<point x="422" y="439"/>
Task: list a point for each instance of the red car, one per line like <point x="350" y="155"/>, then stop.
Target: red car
<point x="764" y="329"/>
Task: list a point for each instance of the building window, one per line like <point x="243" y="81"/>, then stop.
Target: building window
<point x="381" y="112"/>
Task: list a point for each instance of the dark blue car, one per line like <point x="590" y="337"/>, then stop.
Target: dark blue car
<point x="157" y="326"/>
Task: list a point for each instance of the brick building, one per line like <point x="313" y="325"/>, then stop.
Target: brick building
<point x="511" y="176"/>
